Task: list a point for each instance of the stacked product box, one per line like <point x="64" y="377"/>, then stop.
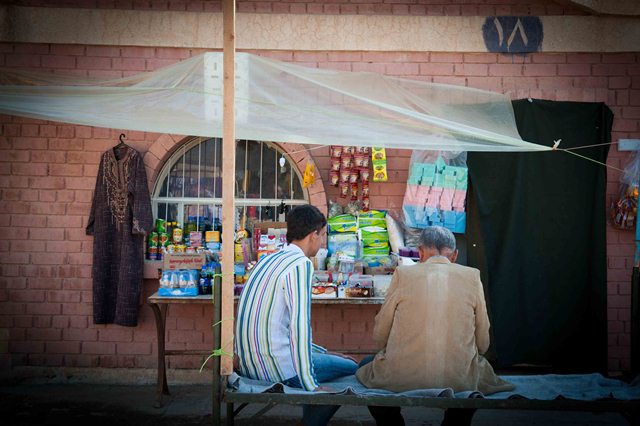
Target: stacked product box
<point x="436" y="195"/>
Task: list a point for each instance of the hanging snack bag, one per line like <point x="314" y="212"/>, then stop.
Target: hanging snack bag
<point x="347" y="162"/>
<point x="365" y="189"/>
<point x="344" y="189"/>
<point x="354" y="191"/>
<point x="380" y="172"/>
<point x="379" y="159"/>
<point x="336" y="151"/>
<point x="364" y="176"/>
<point x="345" y="176"/>
<point x="309" y="176"/>
<point x="334" y="177"/>
<point x="365" y="203"/>
<point x="624" y="211"/>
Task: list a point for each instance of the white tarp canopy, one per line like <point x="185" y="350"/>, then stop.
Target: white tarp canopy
<point x="275" y="101"/>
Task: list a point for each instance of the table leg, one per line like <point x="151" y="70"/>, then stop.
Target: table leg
<point x="160" y="314"/>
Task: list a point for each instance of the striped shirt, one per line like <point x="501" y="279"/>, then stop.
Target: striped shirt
<point x="273" y="325"/>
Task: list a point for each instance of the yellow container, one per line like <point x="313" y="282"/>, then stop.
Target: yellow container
<point x="238" y="254"/>
<point x="212" y="236"/>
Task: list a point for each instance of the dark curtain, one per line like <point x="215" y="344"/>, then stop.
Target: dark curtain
<point x="537" y="231"/>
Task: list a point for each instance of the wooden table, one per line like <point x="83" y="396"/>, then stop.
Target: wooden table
<point x="159" y="306"/>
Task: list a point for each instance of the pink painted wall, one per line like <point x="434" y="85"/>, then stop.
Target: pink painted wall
<point x="48" y="170"/>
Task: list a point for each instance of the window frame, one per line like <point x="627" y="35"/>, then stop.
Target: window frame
<point x="241" y="202"/>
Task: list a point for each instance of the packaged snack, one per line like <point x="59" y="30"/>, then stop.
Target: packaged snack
<point x="376" y="251"/>
<point x="341" y="224"/>
<point x="354" y="191"/>
<point x="335" y="209"/>
<point x="344" y="176"/>
<point x="365" y="189"/>
<point x="365" y="203"/>
<point x="364" y="175"/>
<point x="195" y="238"/>
<point x="378" y="154"/>
<point x="344" y="189"/>
<point x="335" y="151"/>
<point x="380" y="172"/>
<point x="358" y="160"/>
<point x="358" y="291"/>
<point x="375" y="213"/>
<point x="334" y="177"/>
<point x="345" y="243"/>
<point x="352" y="208"/>
<point x="324" y="291"/>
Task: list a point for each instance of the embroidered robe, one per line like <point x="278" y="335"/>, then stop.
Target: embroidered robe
<point x="120" y="217"/>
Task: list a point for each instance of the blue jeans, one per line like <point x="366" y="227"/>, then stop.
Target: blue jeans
<point x="326" y="367"/>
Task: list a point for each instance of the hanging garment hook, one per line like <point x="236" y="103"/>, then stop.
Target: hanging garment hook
<point x="121" y="138"/>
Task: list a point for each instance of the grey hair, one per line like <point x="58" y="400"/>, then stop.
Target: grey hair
<point x="438" y="238"/>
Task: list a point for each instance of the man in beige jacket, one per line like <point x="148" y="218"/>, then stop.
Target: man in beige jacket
<point x="433" y="327"/>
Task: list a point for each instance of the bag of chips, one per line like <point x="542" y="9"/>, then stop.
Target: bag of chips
<point x="624" y="211"/>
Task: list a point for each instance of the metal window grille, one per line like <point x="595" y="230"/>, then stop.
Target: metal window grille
<point x="190" y="183"/>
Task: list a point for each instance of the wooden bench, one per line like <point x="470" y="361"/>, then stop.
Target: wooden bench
<point x="629" y="409"/>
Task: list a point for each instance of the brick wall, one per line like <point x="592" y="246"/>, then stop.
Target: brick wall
<point x="334" y="7"/>
<point x="47" y="173"/>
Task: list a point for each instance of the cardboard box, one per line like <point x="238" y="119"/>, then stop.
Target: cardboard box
<point x="183" y="261"/>
<point x="264" y="226"/>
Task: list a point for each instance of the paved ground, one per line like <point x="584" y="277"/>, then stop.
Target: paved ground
<point x="190" y="405"/>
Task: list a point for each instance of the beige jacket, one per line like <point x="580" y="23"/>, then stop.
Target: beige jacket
<point x="433" y="328"/>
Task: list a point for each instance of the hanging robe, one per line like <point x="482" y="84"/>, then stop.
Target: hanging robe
<point x="120" y="218"/>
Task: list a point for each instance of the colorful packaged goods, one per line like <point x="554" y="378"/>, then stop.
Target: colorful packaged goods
<point x="436" y="194"/>
<point x="152" y="246"/>
<point x="160" y="226"/>
<point x="349" y="167"/>
<point x="343" y="243"/>
<point x="176" y="236"/>
<point x="195" y="239"/>
<point x="342" y="223"/>
<point x="379" y="160"/>
<point x="179" y="283"/>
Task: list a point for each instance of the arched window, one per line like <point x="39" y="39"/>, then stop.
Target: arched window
<point x="189" y="187"/>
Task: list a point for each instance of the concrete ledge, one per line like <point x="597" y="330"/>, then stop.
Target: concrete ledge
<point x="301" y="32"/>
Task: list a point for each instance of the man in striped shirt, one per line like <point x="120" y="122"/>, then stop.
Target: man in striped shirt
<point x="273" y="324"/>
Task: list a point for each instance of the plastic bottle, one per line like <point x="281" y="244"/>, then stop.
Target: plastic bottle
<point x="177" y="234"/>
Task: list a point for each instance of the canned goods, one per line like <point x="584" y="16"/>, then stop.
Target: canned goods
<point x="177" y="236"/>
<point x="152" y="253"/>
<point x="161" y="226"/>
<point x="163" y="239"/>
<point x="152" y="241"/>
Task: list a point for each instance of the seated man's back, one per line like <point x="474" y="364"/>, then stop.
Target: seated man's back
<point x="433" y="327"/>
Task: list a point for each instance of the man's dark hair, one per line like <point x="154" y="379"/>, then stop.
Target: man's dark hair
<point x="303" y="220"/>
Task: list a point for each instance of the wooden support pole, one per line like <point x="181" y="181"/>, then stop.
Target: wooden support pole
<point x="228" y="182"/>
